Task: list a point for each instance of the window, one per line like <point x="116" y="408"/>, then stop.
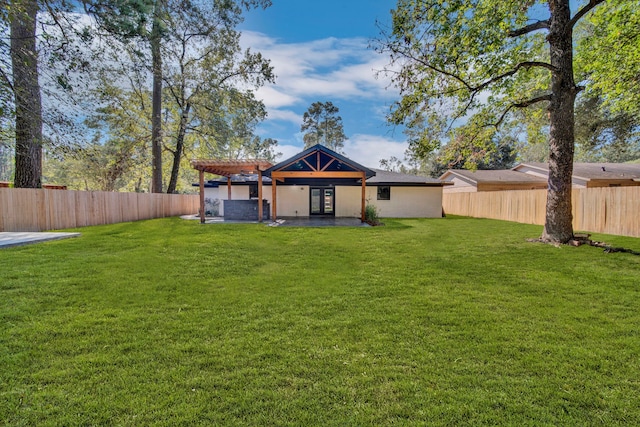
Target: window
<point x="384" y="192"/>
<point x="253" y="191"/>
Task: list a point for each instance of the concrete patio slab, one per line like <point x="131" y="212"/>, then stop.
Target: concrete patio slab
<point x="8" y="239"/>
<point x="289" y="221"/>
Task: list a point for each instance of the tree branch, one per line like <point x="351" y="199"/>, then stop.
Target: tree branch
<point x="588" y="7"/>
<point x="481" y="86"/>
<point x="520" y="105"/>
<point x="540" y="25"/>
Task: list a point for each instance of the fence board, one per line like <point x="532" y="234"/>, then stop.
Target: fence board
<point x="610" y="210"/>
<point x="24" y="209"/>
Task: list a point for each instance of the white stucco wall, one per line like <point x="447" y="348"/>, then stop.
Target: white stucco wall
<point x="293" y="200"/>
<point x="348" y="201"/>
<point x="408" y="202"/>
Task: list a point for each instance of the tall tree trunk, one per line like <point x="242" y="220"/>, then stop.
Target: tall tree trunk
<point x="177" y="154"/>
<point x="558" y="226"/>
<point x="156" y="101"/>
<point x="28" y="104"/>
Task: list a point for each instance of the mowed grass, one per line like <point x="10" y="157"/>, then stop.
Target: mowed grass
<point x="422" y="322"/>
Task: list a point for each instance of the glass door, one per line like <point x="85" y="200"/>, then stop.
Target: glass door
<point x="322" y="201"/>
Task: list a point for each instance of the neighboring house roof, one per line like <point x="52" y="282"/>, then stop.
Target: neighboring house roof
<point x="594" y="171"/>
<point x="492" y="177"/>
<point x="383" y="177"/>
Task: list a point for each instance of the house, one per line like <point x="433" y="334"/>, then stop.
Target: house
<point x="589" y="175"/>
<point x="318" y="182"/>
<point x="490" y="180"/>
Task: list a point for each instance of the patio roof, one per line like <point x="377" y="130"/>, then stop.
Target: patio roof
<point x="231" y="167"/>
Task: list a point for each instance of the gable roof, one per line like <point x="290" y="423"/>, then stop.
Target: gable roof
<point x="319" y="159"/>
<point x="592" y="171"/>
<point x="500" y="176"/>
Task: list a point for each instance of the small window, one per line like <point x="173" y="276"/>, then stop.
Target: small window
<point x="253" y="191"/>
<point x="384" y="192"/>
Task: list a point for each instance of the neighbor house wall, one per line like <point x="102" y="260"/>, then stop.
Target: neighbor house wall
<point x="459" y="186"/>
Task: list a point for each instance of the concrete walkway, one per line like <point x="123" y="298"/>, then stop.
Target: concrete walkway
<point x="8" y="239"/>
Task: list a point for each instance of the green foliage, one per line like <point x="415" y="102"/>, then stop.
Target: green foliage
<point x="323" y="126"/>
<point x="450" y="55"/>
<point x="371" y="214"/>
<point x="603" y="134"/>
<point x="609" y="56"/>
<point x="168" y="322"/>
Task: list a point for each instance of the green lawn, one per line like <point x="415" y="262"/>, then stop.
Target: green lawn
<point x="422" y="322"/>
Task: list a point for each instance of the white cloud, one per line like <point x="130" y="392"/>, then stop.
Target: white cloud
<point x="274" y="98"/>
<point x="285" y="115"/>
<point x="287" y="151"/>
<point x="368" y="150"/>
<point x="331" y="67"/>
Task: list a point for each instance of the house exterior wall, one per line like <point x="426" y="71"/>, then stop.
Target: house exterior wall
<point x="293" y="200"/>
<point x="408" y="202"/>
<point x="349" y="201"/>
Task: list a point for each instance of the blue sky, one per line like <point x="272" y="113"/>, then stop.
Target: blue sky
<point x="320" y="52"/>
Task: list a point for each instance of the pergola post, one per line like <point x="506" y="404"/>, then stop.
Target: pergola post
<point x="274" y="214"/>
<point x="364" y="196"/>
<point x="260" y="204"/>
<point x="229" y="187"/>
<point x="201" y="197"/>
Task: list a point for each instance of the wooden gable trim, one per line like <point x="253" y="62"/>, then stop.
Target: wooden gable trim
<point x="314" y="174"/>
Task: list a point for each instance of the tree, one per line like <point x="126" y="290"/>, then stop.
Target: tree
<point x="24" y="80"/>
<point x="206" y="68"/>
<point x="26" y="89"/>
<point x="323" y="126"/>
<point x="480" y="58"/>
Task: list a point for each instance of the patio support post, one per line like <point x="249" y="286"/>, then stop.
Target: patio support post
<point x="201" y="197"/>
<point x="260" y="204"/>
<point x="364" y="195"/>
<point x="229" y="187"/>
<point x="273" y="199"/>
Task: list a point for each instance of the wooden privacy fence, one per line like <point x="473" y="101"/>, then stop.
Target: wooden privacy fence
<point x="610" y="210"/>
<point x="23" y="209"/>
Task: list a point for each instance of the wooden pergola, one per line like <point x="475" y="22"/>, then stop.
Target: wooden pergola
<point x="228" y="168"/>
